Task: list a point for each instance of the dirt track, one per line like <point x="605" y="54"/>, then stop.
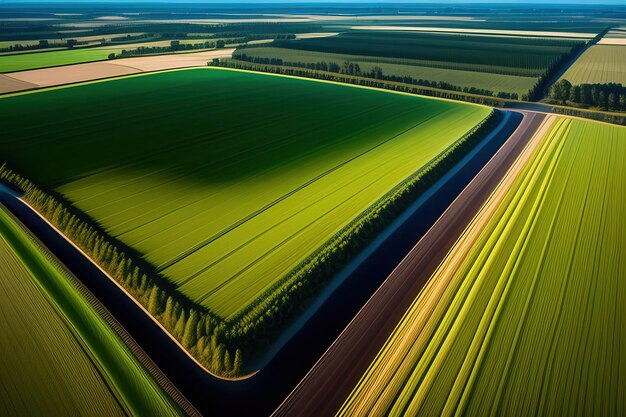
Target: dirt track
<point x="329" y="382"/>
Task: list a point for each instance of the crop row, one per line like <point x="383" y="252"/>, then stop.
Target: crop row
<point x="522" y="56"/>
<point x="599" y="64"/>
<point x="524" y="316"/>
<point x="60" y="357"/>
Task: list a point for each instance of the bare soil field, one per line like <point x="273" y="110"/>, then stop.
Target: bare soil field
<point x="47" y="77"/>
<point x="68" y="74"/>
<point x="9" y="85"/>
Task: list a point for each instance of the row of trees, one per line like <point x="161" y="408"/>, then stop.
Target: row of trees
<point x="376" y="72"/>
<point x="393" y="83"/>
<point x="42" y="44"/>
<point x="539" y="89"/>
<point x="200" y="332"/>
<point x="608" y="96"/>
<point x="221" y="346"/>
<point x="173" y="47"/>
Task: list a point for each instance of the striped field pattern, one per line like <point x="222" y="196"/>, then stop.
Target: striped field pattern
<point x="462" y="76"/>
<point x="525" y="316"/>
<point x="226" y="181"/>
<point x="59" y="356"/>
<point x="599" y="64"/>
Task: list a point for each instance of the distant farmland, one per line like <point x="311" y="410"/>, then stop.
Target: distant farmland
<point x="59" y="357"/>
<point x="599" y="64"/>
<point x="524" y="315"/>
<point x="514" y="62"/>
<point x="24" y="61"/>
<point x="44" y="59"/>
<point x="403" y="68"/>
<point x="227" y="182"/>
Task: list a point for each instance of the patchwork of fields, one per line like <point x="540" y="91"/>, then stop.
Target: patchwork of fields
<point x="44" y="59"/>
<point x="514" y="56"/>
<point x="416" y="69"/>
<point x="20" y="62"/>
<point x="599" y="64"/>
<point x="525" y="314"/>
<point x="226" y="181"/>
<point x="59" y="357"/>
<point x="503" y="64"/>
<point x="615" y="36"/>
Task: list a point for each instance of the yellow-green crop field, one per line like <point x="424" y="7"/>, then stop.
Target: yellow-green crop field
<point x="599" y="64"/>
<point x="225" y="181"/>
<point x="525" y="314"/>
<point x="59" y="357"/>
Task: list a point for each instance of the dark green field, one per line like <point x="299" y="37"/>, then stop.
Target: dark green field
<point x="475" y="63"/>
<point x="235" y="187"/>
<point x="528" y="57"/>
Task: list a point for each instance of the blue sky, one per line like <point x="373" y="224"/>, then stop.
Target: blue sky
<point x="439" y="2"/>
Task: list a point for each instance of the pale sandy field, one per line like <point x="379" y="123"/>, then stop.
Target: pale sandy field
<point x="478" y="31"/>
<point x="69" y="74"/>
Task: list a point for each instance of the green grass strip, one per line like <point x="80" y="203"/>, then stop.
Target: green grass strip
<point x="135" y="389"/>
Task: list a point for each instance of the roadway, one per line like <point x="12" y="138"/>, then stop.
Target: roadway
<point x="329" y="382"/>
<point x="330" y="379"/>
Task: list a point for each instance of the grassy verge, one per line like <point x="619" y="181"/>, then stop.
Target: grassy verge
<point x="130" y="383"/>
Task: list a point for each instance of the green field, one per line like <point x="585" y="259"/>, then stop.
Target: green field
<point x="59" y="357"/>
<point x="528" y="57"/>
<point x="525" y="314"/>
<point x="406" y="67"/>
<point x="599" y="64"/>
<point x="43" y="59"/>
<point x="226" y="181"/>
<point x="33" y="60"/>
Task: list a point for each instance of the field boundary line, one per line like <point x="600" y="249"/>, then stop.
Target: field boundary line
<point x="143" y="73"/>
<point x="144" y="359"/>
<point x="130" y="296"/>
<point x="347" y="84"/>
<point x="97" y="80"/>
<point x="380" y="287"/>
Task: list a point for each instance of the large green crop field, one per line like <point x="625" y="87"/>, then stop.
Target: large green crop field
<point x="599" y="64"/>
<point x="524" y="316"/>
<point x="406" y="67"/>
<point x="59" y="357"/>
<point x="225" y="181"/>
